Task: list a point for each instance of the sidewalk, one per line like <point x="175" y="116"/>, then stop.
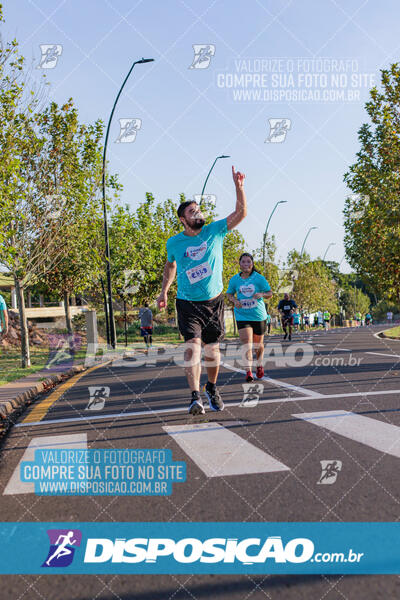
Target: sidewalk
<point x="18" y="394"/>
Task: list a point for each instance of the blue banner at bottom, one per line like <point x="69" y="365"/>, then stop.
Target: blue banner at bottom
<point x="219" y="548"/>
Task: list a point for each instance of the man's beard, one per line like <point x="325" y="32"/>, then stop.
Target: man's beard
<point x="198" y="224"/>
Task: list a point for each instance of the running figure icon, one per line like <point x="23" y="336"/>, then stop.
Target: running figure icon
<point x="62" y="549"/>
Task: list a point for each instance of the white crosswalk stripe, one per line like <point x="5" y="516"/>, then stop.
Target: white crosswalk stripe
<point x="75" y="440"/>
<point x="218" y="451"/>
<point x="365" y="430"/>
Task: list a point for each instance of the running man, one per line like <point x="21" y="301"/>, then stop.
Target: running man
<point x="286" y="308"/>
<point x="62" y="550"/>
<point x="306" y="318"/>
<point x="146" y="325"/>
<point x="195" y="256"/>
<point x="389" y="317"/>
<point x="250" y="288"/>
<point x="327" y="319"/>
<point x="368" y="319"/>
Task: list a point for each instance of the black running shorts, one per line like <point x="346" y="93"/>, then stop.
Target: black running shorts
<point x="287" y="320"/>
<point x="204" y="320"/>
<point x="258" y="327"/>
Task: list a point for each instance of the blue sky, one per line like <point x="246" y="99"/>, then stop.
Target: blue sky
<point x="189" y="115"/>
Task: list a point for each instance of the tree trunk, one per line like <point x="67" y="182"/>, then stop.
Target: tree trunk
<point x="67" y="309"/>
<point x="25" y="354"/>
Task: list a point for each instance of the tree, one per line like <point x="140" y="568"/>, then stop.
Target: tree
<point x="233" y="247"/>
<point x="313" y="289"/>
<point x="30" y="240"/>
<point x="372" y="213"/>
<point x="75" y="163"/>
<point x="353" y="300"/>
<point x="271" y="271"/>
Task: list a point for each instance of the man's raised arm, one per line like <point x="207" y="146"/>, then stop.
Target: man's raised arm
<point x="168" y="277"/>
<point x="241" y="204"/>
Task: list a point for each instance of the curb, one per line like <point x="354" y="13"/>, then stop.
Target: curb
<point x="381" y="334"/>
<point x="12" y="408"/>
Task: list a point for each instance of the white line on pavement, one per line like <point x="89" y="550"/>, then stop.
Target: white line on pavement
<point x="371" y="432"/>
<point x="278" y="383"/>
<point x="382" y="354"/>
<point x="218" y="452"/>
<point x="183" y="409"/>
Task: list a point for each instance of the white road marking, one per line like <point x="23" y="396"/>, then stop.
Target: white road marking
<point x="343" y="349"/>
<point x="184" y="409"/>
<point x="218" y="451"/>
<point x="278" y="383"/>
<point x="382" y="354"/>
<point x="371" y="432"/>
<point x="15" y="485"/>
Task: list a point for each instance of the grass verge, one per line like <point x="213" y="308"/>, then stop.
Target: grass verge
<point x="393" y="332"/>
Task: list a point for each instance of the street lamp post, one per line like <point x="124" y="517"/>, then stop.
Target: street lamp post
<point x="106" y="238"/>
<point x="209" y="173"/>
<point x="326" y="251"/>
<point x="305" y="239"/>
<point x="266" y="229"/>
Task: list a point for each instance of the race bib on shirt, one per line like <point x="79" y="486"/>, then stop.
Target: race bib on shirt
<point x="248" y="303"/>
<point x="247" y="290"/>
<point x="198" y="273"/>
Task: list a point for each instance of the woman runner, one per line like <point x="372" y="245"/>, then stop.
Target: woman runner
<point x="250" y="288"/>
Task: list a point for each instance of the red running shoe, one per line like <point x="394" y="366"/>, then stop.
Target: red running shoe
<point x="249" y="377"/>
<point x="260" y="372"/>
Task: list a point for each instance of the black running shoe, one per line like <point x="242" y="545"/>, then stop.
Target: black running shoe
<point x="214" y="398"/>
<point x="196" y="407"/>
<point x="290" y="337"/>
<point x="285" y="336"/>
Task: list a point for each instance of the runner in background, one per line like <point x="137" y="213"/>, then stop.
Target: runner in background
<point x="368" y="319"/>
<point x="268" y="322"/>
<point x="327" y="319"/>
<point x="250" y="288"/>
<point x="146" y="325"/>
<point x="195" y="255"/>
<point x="286" y="308"/>
<point x="3" y="317"/>
<point x="296" y="320"/>
<point x="389" y="317"/>
<point x="306" y="318"/>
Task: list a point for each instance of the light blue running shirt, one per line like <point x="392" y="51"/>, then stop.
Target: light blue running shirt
<point x="199" y="261"/>
<point x="252" y="310"/>
<point x="3" y="306"/>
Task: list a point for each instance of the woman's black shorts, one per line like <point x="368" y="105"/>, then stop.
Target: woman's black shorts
<point x="204" y="320"/>
<point x="258" y="327"/>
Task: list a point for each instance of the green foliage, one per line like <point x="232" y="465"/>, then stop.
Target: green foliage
<point x="75" y="162"/>
<point x="379" y="311"/>
<point x="314" y="289"/>
<point x="234" y="246"/>
<point x="372" y="216"/>
<point x="353" y="300"/>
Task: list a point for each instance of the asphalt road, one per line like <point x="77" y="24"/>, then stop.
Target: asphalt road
<point x="293" y="424"/>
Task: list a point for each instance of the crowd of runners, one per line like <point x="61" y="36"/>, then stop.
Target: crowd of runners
<point x="195" y="257"/>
